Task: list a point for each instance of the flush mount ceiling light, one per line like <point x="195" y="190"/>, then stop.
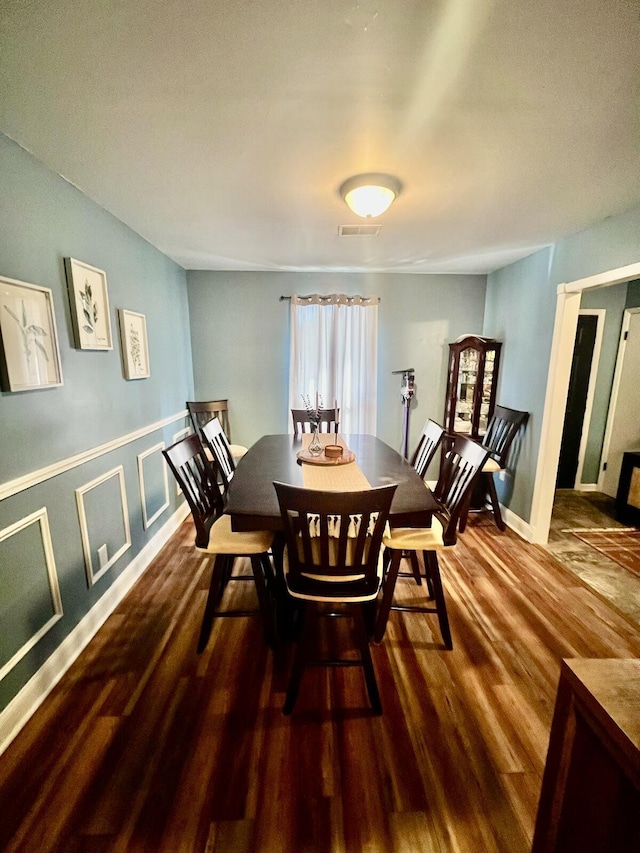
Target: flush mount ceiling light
<point x="371" y="194"/>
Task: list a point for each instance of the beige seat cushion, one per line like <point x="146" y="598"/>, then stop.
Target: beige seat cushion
<point x="238" y="450"/>
<point x="334" y="580"/>
<point x="491" y="466"/>
<point x="415" y="538"/>
<point x="223" y="540"/>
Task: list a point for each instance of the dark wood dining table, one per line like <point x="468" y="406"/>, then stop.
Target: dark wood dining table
<point x="252" y="502"/>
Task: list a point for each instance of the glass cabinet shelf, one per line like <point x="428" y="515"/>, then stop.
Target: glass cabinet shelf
<point x="471" y="385"/>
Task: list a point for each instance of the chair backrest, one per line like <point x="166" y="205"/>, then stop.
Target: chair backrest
<point x="333" y="539"/>
<point x="427" y="446"/>
<point x="196" y="477"/>
<point x="214" y="438"/>
<point x="327" y="422"/>
<point x="202" y="412"/>
<point x="460" y="468"/>
<point x="503" y="428"/>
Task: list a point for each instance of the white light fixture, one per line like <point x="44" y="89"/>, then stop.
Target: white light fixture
<point x="371" y="194"/>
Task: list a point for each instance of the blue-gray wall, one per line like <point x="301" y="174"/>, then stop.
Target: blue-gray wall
<point x="45" y="219"/>
<point x="240" y="341"/>
<point x="520" y="310"/>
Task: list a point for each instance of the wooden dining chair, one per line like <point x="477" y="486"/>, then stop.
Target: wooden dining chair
<point x="332" y="555"/>
<point x="215" y="440"/>
<point x="202" y="412"/>
<point x="327" y="422"/>
<point x="197" y="478"/>
<point x="460" y="468"/>
<point x="503" y="427"/>
<point x="422" y="457"/>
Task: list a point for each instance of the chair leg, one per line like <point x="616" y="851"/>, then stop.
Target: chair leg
<point x="367" y="663"/>
<point x="388" y="587"/>
<point x="464" y="514"/>
<point x="261" y="570"/>
<point x="415" y="567"/>
<point x="495" y="503"/>
<point x="431" y="564"/>
<point x="219" y="577"/>
<point x="300" y="656"/>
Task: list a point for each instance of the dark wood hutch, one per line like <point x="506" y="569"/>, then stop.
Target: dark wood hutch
<point x="472" y="381"/>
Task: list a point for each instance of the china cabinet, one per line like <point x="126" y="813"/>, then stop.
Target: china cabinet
<point x="471" y="385"/>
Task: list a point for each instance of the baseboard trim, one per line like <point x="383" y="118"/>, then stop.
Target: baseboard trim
<point x="517" y="524"/>
<point x="35" y="691"/>
<point x="587" y="487"/>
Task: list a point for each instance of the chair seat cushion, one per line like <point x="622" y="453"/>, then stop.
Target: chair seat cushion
<point x="491" y="466"/>
<point x="416" y="538"/>
<point x="336" y="581"/>
<point x="223" y="540"/>
<point x="238" y="450"/>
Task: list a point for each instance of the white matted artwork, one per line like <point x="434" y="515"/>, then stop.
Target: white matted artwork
<point x="135" y="347"/>
<point x="31" y="356"/>
<point x="89" y="300"/>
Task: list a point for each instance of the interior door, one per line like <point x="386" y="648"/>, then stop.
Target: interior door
<point x="576" y="400"/>
<point x="623" y="426"/>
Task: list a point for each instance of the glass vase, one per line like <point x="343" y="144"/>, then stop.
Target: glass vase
<point x="315" y="446"/>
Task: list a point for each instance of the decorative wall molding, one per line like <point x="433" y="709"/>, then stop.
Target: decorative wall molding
<point x="19" y="484"/>
<point x="517" y="524"/>
<point x="146" y="520"/>
<point x="35" y="691"/>
<point x="93" y="576"/>
<point x="38" y="517"/>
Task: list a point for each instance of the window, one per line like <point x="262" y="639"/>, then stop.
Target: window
<point x="334" y="352"/>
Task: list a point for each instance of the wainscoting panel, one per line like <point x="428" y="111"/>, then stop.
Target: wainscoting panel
<point x="154" y="483"/>
<point x="104" y="522"/>
<point x="29" y="581"/>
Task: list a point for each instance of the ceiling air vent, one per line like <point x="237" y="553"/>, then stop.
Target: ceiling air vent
<point x="358" y="230"/>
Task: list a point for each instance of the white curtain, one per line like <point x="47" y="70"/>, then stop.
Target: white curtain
<point x="334" y="352"/>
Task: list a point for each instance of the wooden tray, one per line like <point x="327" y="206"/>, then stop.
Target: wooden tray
<point x="321" y="459"/>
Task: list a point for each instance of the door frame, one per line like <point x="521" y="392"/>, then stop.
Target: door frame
<point x="615" y="387"/>
<point x="568" y="296"/>
<point x="601" y="314"/>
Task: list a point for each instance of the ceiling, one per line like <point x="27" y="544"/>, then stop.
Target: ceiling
<point x="220" y="130"/>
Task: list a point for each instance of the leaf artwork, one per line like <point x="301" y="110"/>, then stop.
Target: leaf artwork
<point x="30" y="333"/>
<point x="89" y="308"/>
<point x="134" y="349"/>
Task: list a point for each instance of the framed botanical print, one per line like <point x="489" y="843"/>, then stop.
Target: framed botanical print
<point x="31" y="356"/>
<point x="89" y="305"/>
<point x="134" y="344"/>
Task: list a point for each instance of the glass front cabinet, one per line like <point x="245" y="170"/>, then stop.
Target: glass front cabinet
<point x="471" y="385"/>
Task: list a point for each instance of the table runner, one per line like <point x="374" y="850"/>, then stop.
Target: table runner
<point x="333" y="478"/>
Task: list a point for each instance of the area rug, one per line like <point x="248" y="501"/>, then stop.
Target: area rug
<point x="620" y="545"/>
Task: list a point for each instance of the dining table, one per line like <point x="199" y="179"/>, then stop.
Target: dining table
<point x="251" y="498"/>
<point x="253" y="505"/>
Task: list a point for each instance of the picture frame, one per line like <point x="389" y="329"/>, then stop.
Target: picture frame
<point x="30" y="351"/>
<point x="89" y="298"/>
<point x="134" y="344"/>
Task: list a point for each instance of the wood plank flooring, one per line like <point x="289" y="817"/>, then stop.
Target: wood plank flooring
<point x="146" y="746"/>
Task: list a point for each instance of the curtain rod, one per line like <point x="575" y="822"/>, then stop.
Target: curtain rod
<point x="327" y="298"/>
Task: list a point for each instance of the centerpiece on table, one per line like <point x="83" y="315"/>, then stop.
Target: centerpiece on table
<point x="315" y="446"/>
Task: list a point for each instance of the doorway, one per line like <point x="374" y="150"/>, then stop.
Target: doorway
<point x="623" y="425"/>
<point x="584" y="368"/>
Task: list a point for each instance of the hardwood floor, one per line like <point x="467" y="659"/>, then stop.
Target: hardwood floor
<point x="146" y="746"/>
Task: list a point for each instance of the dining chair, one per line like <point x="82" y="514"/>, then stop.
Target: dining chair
<point x="327" y="422"/>
<point x="202" y="412"/>
<point x="215" y="440"/>
<point x="332" y="567"/>
<point x="422" y="457"/>
<point x="503" y="427"/>
<point x="196" y="476"/>
<point x="460" y="468"/>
